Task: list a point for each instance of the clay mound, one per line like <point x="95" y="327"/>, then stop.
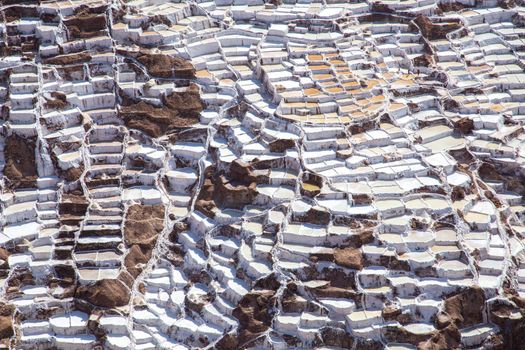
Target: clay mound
<point x="513" y="328"/>
<point x="228" y="342"/>
<point x="143" y="224"/>
<point x="315" y="215"/>
<point x="181" y="110"/>
<point x="20" y="167"/>
<point x="513" y="182"/>
<point x="452" y="6"/>
<point x="164" y="66"/>
<point x="447" y="338"/>
<point x="72" y="174"/>
<point x="488" y="172"/>
<point x="423" y="61"/>
<point x="105" y="293"/>
<point x="153" y="121"/>
<point x="399" y="335"/>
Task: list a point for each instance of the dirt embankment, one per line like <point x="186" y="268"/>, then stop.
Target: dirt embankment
<point x="20" y="166"/>
<point x="6" y="324"/>
<point x="13" y="13"/>
<point x="513" y="182"/>
<point x="235" y="188"/>
<point x="57" y="100"/>
<point x="505" y="315"/>
<point x="461" y="310"/>
<point x="164" y="66"/>
<point x="254" y="313"/>
<point x="160" y="65"/>
<point x="435" y="31"/>
<point x="349" y="257"/>
<point x="61" y="60"/>
<point x="72" y="207"/>
<point x="180" y="110"/>
<point x="105" y="293"/>
<point x="205" y="203"/>
<point x="464" y="125"/>
<point x="85" y="24"/>
<point x="143" y="225"/>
